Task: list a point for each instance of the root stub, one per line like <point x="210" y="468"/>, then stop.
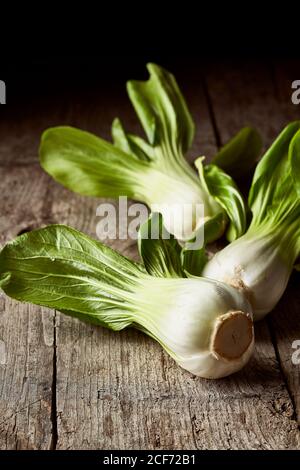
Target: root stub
<point x="232" y="336"/>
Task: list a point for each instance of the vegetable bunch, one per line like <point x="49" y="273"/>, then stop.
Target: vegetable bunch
<point x="204" y="325"/>
<point x="201" y="311"/>
<point x="155" y="171"/>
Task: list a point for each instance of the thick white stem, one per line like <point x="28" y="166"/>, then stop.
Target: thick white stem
<point x="184" y="205"/>
<point x="255" y="266"/>
<point x="205" y="325"/>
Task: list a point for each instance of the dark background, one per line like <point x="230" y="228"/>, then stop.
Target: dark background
<point x="56" y="50"/>
<point x="77" y="78"/>
<point x="29" y="80"/>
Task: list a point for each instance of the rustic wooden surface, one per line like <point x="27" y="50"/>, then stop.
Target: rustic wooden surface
<point x="68" y="385"/>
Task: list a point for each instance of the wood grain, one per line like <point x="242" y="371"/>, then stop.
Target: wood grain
<point x="260" y="95"/>
<point x="284" y="321"/>
<point x="26" y="331"/>
<point x="121" y="390"/>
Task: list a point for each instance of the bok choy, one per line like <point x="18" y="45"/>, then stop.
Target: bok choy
<point x="155" y="171"/>
<point x="261" y="261"/>
<point x="205" y="325"/>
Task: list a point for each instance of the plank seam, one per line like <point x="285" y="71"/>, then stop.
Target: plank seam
<point x="281" y="369"/>
<point x="271" y="70"/>
<point x="211" y="112"/>
<point x="192" y="419"/>
<point x="54" y="436"/>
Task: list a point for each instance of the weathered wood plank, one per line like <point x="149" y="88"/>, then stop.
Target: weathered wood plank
<point x="192" y="85"/>
<point x="124" y="383"/>
<point x="245" y="94"/>
<point x="124" y="391"/>
<point x="26" y="331"/>
<point x="26" y="364"/>
<point x="21" y="126"/>
<point x="260" y="95"/>
<point x="285" y="326"/>
<point x="121" y="390"/>
<point x="25" y="192"/>
<point x="285" y="321"/>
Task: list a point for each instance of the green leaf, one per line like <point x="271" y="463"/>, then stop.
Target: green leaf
<point x="159" y="250"/>
<point x="131" y="144"/>
<point x="238" y="156"/>
<point x="62" y="268"/>
<point x="193" y="261"/>
<point x="120" y="138"/>
<point x="224" y="190"/>
<point x="89" y="165"/>
<point x="163" y="112"/>
<point x="163" y="256"/>
<point x="294" y="158"/>
<point x="156" y="173"/>
<point x="272" y="192"/>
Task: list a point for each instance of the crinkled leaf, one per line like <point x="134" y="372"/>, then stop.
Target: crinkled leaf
<point x="163" y="256"/>
<point x="162" y="111"/>
<point x="131" y="144"/>
<point x="193" y="261"/>
<point x="120" y="138"/>
<point x="272" y="191"/>
<point x="89" y="165"/>
<point x="159" y="250"/>
<point x="238" y="156"/>
<point x="294" y="157"/>
<point x="222" y="187"/>
<point x="62" y="268"/>
<point x="132" y="167"/>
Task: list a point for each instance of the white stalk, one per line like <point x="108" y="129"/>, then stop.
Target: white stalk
<point x="258" y="265"/>
<point x="206" y="326"/>
<point x="183" y="203"/>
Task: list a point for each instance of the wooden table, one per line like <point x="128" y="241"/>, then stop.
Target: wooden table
<point x="68" y="385"/>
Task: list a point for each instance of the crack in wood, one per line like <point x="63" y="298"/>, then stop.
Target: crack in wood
<point x="284" y="378"/>
<point x="54" y="430"/>
<point x="14" y="413"/>
<point x="211" y="112"/>
<point x="151" y="401"/>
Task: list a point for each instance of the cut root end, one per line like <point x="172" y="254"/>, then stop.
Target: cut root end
<point x="233" y="334"/>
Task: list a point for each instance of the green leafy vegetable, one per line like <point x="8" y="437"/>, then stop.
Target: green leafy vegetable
<point x="193" y="261"/>
<point x="154" y="172"/>
<point x="222" y="187"/>
<point x="204" y="325"/>
<point x="90" y="165"/>
<point x="158" y="249"/>
<point x="163" y="112"/>
<point x="163" y="256"/>
<point x="131" y="144"/>
<point x="261" y="261"/>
